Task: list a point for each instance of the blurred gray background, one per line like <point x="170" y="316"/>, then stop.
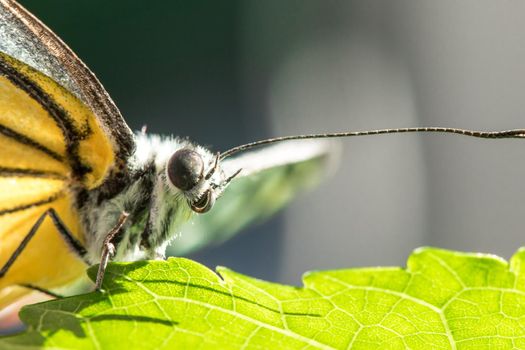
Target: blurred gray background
<point x="230" y="72"/>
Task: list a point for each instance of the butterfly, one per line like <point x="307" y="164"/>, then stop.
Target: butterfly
<point x="70" y="169"/>
<point x="78" y="187"/>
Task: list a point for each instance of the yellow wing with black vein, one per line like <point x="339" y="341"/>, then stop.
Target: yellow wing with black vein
<point x="49" y="142"/>
<point x="56" y="131"/>
<point x="59" y="132"/>
<point x="25" y="38"/>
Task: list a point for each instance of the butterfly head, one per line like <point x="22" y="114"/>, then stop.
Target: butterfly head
<point x="186" y="171"/>
<point x="201" y="181"/>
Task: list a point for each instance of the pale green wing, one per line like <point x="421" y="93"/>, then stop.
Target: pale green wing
<point x="270" y="178"/>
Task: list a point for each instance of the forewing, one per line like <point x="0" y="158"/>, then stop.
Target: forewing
<point x="25" y="38"/>
<point x="44" y="118"/>
<point x="59" y="131"/>
<point x="269" y="179"/>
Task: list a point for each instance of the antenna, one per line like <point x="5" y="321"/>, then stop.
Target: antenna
<point x="505" y="134"/>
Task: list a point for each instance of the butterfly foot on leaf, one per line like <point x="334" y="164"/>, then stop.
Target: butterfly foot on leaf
<point x="108" y="250"/>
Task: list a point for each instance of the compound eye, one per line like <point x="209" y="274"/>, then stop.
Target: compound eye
<point x="185" y="169"/>
<point x="204" y="204"/>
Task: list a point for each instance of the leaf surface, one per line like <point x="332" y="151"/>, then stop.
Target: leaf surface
<point x="442" y="300"/>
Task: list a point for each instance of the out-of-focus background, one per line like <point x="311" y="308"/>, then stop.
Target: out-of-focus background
<point x="229" y="72"/>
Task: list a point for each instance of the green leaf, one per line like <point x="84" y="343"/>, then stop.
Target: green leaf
<point x="442" y="300"/>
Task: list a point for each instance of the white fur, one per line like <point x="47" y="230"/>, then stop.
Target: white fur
<point x="164" y="197"/>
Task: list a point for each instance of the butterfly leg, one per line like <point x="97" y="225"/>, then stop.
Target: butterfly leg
<point x="68" y="237"/>
<point x="108" y="249"/>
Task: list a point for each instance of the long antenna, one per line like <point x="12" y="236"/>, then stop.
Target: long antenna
<point x="505" y="134"/>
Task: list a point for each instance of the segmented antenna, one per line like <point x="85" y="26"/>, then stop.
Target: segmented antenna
<point x="505" y="134"/>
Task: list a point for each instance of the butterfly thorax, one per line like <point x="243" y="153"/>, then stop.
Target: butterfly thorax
<point x="157" y="210"/>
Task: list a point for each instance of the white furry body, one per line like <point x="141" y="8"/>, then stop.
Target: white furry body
<point x="150" y="198"/>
